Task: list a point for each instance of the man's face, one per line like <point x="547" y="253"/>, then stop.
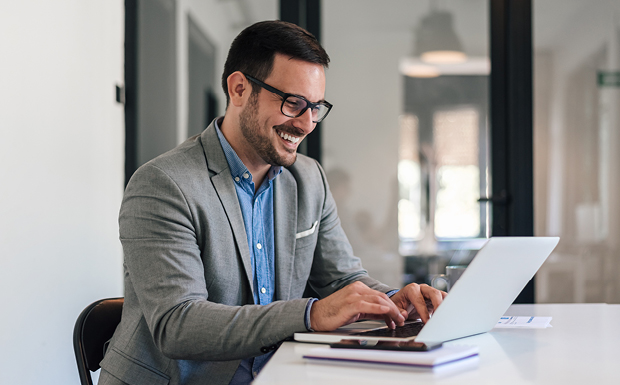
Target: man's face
<point x="273" y="136"/>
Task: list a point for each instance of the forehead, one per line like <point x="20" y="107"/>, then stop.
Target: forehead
<point x="299" y="77"/>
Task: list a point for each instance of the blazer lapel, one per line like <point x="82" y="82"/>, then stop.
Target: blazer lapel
<point x="225" y="188"/>
<point x="285" y="225"/>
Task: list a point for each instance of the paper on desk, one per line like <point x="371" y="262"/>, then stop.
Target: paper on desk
<point x="508" y="322"/>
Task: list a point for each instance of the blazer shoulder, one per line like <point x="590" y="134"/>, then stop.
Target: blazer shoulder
<point x="306" y="168"/>
<point x="183" y="163"/>
<point x="188" y="154"/>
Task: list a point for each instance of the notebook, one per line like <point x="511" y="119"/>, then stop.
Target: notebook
<point x="489" y="285"/>
<point x="393" y="359"/>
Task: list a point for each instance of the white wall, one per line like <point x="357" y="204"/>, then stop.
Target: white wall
<point x="61" y="178"/>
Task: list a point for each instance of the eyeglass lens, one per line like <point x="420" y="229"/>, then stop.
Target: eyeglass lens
<point x="293" y="107"/>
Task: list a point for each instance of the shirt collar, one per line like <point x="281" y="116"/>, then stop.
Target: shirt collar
<point x="236" y="166"/>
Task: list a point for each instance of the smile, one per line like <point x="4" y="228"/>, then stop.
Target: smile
<point x="290" y="138"/>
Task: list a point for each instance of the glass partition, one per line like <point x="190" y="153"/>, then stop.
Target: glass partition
<point x="577" y="148"/>
<point x="406" y="144"/>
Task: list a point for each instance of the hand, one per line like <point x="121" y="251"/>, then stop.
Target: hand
<point x="418" y="301"/>
<point x="351" y="303"/>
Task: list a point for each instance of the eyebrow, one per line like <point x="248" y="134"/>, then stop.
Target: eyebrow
<point x="251" y="78"/>
<point x="301" y="96"/>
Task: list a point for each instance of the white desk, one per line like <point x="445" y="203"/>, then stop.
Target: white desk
<point x="582" y="347"/>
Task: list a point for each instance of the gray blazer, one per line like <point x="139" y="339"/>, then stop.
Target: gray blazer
<point x="189" y="316"/>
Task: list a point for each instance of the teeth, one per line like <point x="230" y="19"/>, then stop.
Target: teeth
<point x="290" y="138"/>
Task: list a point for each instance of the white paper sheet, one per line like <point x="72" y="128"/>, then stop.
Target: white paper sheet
<point x="507" y="322"/>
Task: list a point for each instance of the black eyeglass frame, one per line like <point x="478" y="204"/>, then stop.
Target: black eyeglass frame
<point x="284" y="96"/>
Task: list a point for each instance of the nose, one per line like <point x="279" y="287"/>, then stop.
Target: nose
<point x="304" y="121"/>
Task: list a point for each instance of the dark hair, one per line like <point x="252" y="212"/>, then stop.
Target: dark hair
<point x="253" y="50"/>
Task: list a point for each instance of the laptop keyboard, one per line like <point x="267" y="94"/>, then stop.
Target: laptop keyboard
<point x="408" y="330"/>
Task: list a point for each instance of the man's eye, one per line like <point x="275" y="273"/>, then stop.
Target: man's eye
<point x="293" y="103"/>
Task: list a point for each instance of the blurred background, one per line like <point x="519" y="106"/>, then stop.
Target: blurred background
<point x="453" y="121"/>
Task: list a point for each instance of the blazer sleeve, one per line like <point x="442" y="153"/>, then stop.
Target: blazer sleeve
<point x="165" y="270"/>
<point x="334" y="265"/>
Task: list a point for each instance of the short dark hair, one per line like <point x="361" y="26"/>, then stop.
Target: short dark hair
<point x="254" y="49"/>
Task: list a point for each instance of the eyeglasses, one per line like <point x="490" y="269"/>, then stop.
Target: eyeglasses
<point x="294" y="106"/>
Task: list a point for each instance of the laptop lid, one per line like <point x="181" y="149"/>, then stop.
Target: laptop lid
<point x="489" y="285"/>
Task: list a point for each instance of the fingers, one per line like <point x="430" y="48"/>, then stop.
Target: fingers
<point x="349" y="304"/>
<point x="392" y="315"/>
<point x="389" y="322"/>
<point x="378" y="306"/>
<point x="414" y="295"/>
<point x="435" y="296"/>
<point x="422" y="298"/>
<point x="404" y="313"/>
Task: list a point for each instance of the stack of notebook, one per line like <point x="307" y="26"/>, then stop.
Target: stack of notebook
<point x="431" y="360"/>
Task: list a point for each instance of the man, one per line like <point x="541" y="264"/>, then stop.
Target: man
<point x="224" y="234"/>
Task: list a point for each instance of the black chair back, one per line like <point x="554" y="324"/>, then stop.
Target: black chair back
<point x="93" y="328"/>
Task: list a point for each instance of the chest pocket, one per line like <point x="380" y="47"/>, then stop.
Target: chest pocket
<point x="306" y="238"/>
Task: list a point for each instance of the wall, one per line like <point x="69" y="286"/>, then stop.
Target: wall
<point x="61" y="178"/>
<point x="62" y="165"/>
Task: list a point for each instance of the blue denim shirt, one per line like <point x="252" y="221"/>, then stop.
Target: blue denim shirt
<point x="257" y="210"/>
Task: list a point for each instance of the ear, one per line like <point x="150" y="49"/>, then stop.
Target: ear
<point x="238" y="88"/>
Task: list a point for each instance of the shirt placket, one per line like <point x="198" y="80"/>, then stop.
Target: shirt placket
<point x="260" y="251"/>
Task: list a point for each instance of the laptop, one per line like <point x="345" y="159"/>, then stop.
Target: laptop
<point x="489" y="285"/>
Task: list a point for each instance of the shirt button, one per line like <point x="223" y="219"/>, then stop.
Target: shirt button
<point x="237" y="179"/>
<point x="259" y="246"/>
<point x="246" y="176"/>
<point x="263" y="290"/>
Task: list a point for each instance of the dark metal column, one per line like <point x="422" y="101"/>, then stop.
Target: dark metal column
<point x="131" y="87"/>
<point x="306" y="14"/>
<point x="511" y="119"/>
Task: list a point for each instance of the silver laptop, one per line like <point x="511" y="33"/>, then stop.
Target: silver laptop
<point x="489" y="285"/>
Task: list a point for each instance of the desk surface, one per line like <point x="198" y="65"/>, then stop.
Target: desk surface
<point x="582" y="347"/>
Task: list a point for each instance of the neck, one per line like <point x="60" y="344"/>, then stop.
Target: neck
<point x="244" y="150"/>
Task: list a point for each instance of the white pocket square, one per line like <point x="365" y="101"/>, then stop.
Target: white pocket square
<point x="307" y="232"/>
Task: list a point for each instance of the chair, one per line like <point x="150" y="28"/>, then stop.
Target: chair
<point x="93" y="328"/>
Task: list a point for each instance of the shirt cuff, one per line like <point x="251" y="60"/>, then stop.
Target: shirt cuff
<point x="307" y="316"/>
<point x="391" y="292"/>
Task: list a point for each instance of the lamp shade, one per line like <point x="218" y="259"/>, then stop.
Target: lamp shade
<point x="436" y="41"/>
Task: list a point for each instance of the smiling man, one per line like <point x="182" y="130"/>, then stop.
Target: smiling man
<point x="232" y="241"/>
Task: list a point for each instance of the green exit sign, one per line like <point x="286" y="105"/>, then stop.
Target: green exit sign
<point x="609" y="79"/>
